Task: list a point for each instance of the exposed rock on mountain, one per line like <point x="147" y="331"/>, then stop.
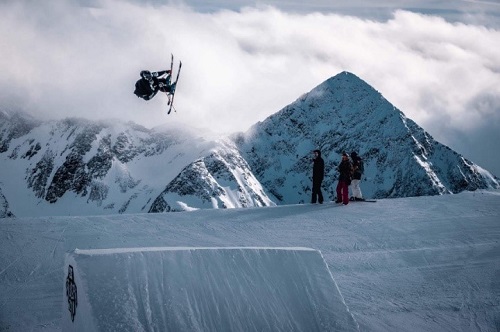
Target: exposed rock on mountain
<point x="67" y="166"/>
<point x="4" y="207"/>
<point x="220" y="180"/>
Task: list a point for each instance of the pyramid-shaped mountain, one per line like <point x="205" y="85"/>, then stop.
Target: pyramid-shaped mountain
<point x="344" y="113"/>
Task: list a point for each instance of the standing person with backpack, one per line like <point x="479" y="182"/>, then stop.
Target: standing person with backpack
<point x="318" y="175"/>
<point x="344" y="169"/>
<point x="357" y="168"/>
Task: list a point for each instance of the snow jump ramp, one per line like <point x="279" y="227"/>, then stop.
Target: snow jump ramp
<point x="202" y="289"/>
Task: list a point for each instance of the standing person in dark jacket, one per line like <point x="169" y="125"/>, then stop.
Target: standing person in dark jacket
<point x="344" y="179"/>
<point x="318" y="175"/>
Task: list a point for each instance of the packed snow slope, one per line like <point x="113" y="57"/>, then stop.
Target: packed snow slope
<point x="429" y="263"/>
<point x="202" y="289"/>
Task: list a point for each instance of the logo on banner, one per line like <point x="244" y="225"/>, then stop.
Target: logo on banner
<point x="71" y="293"/>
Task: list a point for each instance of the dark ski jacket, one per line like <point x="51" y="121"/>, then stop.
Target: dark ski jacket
<point x="357" y="168"/>
<point x="158" y="81"/>
<point x="345" y="171"/>
<point x="318" y="168"/>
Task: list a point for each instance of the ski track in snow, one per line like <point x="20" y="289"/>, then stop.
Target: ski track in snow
<point x="412" y="264"/>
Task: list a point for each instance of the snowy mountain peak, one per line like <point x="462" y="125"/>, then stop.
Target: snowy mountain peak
<point x="342" y="92"/>
<point x="344" y="113"/>
<point x="340" y="104"/>
<point x="343" y="81"/>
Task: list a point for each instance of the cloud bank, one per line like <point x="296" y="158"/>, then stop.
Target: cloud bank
<point x="64" y="59"/>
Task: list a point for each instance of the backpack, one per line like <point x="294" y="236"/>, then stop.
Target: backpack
<point x="356" y="175"/>
<point x="361" y="166"/>
<point x="142" y="89"/>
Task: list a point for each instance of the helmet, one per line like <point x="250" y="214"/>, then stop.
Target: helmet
<point x="146" y="74"/>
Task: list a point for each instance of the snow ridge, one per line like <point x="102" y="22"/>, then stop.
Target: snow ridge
<point x="220" y="180"/>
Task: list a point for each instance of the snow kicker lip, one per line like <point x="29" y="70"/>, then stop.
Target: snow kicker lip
<point x="202" y="289"/>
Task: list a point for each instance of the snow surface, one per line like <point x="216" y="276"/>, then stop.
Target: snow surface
<point x="408" y="264"/>
<point x="204" y="289"/>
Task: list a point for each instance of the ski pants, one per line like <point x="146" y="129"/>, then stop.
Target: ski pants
<point x="356" y="190"/>
<point x="316" y="192"/>
<point x="343" y="192"/>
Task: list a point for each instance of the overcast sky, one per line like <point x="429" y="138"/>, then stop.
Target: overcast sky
<point x="436" y="61"/>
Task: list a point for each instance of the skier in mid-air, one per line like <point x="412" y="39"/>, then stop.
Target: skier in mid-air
<point x="152" y="82"/>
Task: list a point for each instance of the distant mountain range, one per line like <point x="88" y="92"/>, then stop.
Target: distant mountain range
<point x="82" y="167"/>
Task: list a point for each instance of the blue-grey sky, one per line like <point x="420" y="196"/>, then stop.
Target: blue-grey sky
<point x="437" y="61"/>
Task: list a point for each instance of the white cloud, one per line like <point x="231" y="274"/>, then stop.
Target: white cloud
<point x="62" y="59"/>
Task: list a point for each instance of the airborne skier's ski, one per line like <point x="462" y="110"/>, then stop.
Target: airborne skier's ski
<point x="174" y="87"/>
<point x="171" y="68"/>
<point x="169" y="77"/>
